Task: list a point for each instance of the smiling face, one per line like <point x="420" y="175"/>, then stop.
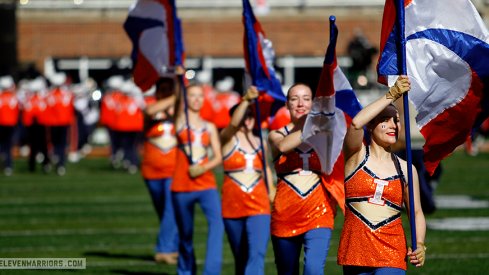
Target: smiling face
<point x="385" y="126"/>
<point x="299" y="101"/>
<point x="195" y="98"/>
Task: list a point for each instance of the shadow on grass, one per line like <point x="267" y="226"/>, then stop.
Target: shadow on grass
<point x="126" y="272"/>
<point x="104" y="254"/>
<point x="130" y="270"/>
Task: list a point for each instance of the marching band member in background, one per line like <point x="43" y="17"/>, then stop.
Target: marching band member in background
<point x="128" y="124"/>
<point x="34" y="119"/>
<point x="60" y="114"/>
<point x="108" y="117"/>
<point x="9" y="117"/>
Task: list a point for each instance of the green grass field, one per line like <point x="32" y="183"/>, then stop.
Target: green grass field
<point x="107" y="217"/>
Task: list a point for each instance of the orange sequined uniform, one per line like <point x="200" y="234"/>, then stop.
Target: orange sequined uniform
<point x="302" y="202"/>
<point x="159" y="151"/>
<point x="372" y="234"/>
<point x="243" y="192"/>
<point x="200" y="142"/>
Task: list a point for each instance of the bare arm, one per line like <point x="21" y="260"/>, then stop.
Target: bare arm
<point x="353" y="142"/>
<point x="216" y="149"/>
<point x="238" y="115"/>
<point x="271" y="187"/>
<point x="368" y="113"/>
<point x="418" y="256"/>
<point x="281" y="143"/>
<point x="160" y="105"/>
<point x="354" y="135"/>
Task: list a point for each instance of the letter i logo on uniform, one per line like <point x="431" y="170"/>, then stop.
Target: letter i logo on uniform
<point x="379" y="190"/>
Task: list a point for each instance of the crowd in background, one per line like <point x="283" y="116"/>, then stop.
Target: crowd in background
<point x="51" y="120"/>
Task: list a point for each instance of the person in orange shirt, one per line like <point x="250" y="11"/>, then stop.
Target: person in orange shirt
<point x="245" y="200"/>
<point x="158" y="165"/>
<point x="61" y="114"/>
<point x="9" y="117"/>
<point x="194" y="182"/>
<point x="373" y="240"/>
<point x="303" y="209"/>
<point x="129" y="124"/>
<point x="108" y="117"/>
<point x="34" y="119"/>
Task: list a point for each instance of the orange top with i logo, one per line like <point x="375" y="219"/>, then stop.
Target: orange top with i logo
<point x="243" y="192"/>
<point x="302" y="202"/>
<point x="372" y="234"/>
<point x="198" y="142"/>
<point x="159" y="151"/>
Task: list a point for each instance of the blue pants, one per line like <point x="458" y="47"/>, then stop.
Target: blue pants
<point x="248" y="238"/>
<point x="288" y="251"/>
<point x="167" y="241"/>
<point x="364" y="270"/>
<point x="184" y="204"/>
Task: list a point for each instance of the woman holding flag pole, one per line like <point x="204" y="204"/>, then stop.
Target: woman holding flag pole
<point x="158" y="164"/>
<point x="309" y="166"/>
<point x="194" y="182"/>
<point x="245" y="200"/>
<point x="373" y="239"/>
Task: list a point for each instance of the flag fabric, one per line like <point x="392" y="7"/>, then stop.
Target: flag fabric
<point x="155" y="32"/>
<point x="259" y="56"/>
<point x="447" y="56"/>
<point x="333" y="107"/>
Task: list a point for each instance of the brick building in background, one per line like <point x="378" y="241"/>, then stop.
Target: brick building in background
<point x="298" y="29"/>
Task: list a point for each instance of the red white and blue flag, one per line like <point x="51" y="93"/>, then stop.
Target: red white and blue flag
<point x="259" y="56"/>
<point x="156" y="35"/>
<point x="333" y="107"/>
<point x="447" y="61"/>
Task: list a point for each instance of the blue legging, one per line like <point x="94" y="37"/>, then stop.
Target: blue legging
<point x="248" y="238"/>
<point x="184" y="205"/>
<point x="288" y="251"/>
<point x="167" y="240"/>
<point x="364" y="270"/>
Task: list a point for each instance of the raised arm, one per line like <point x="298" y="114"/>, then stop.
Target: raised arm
<point x="354" y="135"/>
<point x="238" y="115"/>
<point x="160" y="105"/>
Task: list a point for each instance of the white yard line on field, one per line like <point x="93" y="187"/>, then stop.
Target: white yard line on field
<point x="459" y="202"/>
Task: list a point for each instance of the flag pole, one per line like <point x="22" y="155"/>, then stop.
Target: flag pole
<point x="185" y="109"/>
<point x="403" y="69"/>
<point x="262" y="148"/>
